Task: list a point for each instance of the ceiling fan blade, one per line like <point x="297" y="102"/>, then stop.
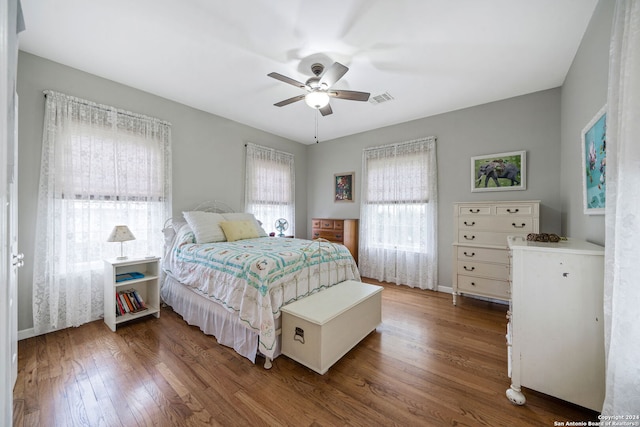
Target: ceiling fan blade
<point x="326" y="110"/>
<point x="333" y="74"/>
<point x="289" y="101"/>
<point x="289" y="80"/>
<point x="350" y="95"/>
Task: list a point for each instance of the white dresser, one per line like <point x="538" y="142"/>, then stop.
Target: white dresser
<point x="480" y="256"/>
<point x="555" y="334"/>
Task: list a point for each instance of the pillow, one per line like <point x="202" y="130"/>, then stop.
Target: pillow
<point x="239" y="216"/>
<point x="205" y="226"/>
<point x="239" y="230"/>
<point x="184" y="235"/>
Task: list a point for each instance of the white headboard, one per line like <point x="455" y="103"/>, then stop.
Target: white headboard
<point x="215" y="206"/>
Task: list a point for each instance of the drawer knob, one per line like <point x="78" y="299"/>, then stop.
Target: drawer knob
<point x="474" y="210"/>
<point x="338" y="236"/>
<point x="518" y="226"/>
<point x="469" y="255"/>
<point x="473" y="283"/>
<point x="513" y="210"/>
<point x="470" y="269"/>
<point x="470" y="224"/>
<point x="469" y="238"/>
<point x="316" y="234"/>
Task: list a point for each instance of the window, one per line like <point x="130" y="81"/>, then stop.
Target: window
<point x="101" y="167"/>
<point x="106" y="178"/>
<point x="269" y="186"/>
<point x="398" y="214"/>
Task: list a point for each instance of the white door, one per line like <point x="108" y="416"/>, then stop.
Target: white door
<point x="16" y="256"/>
<point x="5" y="331"/>
<point x="9" y="258"/>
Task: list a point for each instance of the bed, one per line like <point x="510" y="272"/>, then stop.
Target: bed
<point x="222" y="273"/>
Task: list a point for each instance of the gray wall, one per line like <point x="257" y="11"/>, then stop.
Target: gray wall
<point x="208" y="151"/>
<point x="583" y="94"/>
<point x="530" y="122"/>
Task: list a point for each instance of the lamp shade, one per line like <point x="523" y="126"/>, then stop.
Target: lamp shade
<point x="316" y="99"/>
<point x="121" y="233"/>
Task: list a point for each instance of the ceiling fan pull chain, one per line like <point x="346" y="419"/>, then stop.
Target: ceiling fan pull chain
<point x="317" y="112"/>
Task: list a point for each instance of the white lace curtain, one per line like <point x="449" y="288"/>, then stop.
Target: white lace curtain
<point x="100" y="167"/>
<point x="270" y="186"/>
<point x="398" y="214"/>
<point x="622" y="215"/>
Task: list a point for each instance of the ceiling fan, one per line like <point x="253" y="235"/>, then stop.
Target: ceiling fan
<point x="319" y="88"/>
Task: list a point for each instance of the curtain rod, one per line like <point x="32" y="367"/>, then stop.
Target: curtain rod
<point x="395" y="144"/>
<point x="107" y="108"/>
<point x="262" y="147"/>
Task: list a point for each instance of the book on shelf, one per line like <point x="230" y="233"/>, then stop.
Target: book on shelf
<point x="119" y="307"/>
<point x="138" y="298"/>
<point x="129" y="301"/>
<point x="132" y="299"/>
<point x="124" y="304"/>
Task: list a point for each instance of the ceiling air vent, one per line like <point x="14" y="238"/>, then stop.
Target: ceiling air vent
<point x="379" y="99"/>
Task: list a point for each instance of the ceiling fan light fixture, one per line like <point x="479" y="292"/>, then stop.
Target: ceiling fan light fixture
<point x="319" y="88"/>
<point x="317" y="99"/>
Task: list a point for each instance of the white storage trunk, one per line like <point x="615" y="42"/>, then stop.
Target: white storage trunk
<point x="318" y="330"/>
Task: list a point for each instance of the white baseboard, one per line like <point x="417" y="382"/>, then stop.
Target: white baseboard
<point x="26" y="333"/>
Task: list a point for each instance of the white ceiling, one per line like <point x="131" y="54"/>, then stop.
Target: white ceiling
<point x="431" y="56"/>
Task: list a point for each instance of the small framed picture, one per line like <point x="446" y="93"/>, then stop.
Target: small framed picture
<point x="344" y="187"/>
<point x="499" y="172"/>
<point x="594" y="163"/>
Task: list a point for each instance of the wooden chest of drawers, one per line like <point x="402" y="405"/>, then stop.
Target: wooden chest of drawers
<point x="343" y="231"/>
<point x="480" y="255"/>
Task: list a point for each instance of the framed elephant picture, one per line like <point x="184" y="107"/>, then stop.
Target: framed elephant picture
<point x="499" y="172"/>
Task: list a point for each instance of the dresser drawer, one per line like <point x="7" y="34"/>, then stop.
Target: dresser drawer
<point x="485" y="287"/>
<point x="518" y="224"/>
<point x="481" y="269"/>
<point x="332" y="236"/>
<point x="484" y="238"/>
<point x="315" y="223"/>
<point x="477" y="210"/>
<point x="478" y="254"/>
<point x="516" y="209"/>
<point x="330" y="224"/>
<point x="327" y="224"/>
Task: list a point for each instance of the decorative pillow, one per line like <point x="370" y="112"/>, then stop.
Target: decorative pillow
<point x="205" y="226"/>
<point x="240" y="216"/>
<point x="239" y="230"/>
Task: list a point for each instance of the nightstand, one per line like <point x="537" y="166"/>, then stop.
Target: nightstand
<point x="144" y="285"/>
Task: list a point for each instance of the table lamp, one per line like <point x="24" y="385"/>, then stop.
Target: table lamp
<point x="121" y="233"/>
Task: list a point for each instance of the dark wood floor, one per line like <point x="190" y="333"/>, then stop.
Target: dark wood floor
<point x="429" y="363"/>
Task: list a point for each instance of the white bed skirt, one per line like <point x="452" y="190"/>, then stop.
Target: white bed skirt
<point x="212" y="318"/>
